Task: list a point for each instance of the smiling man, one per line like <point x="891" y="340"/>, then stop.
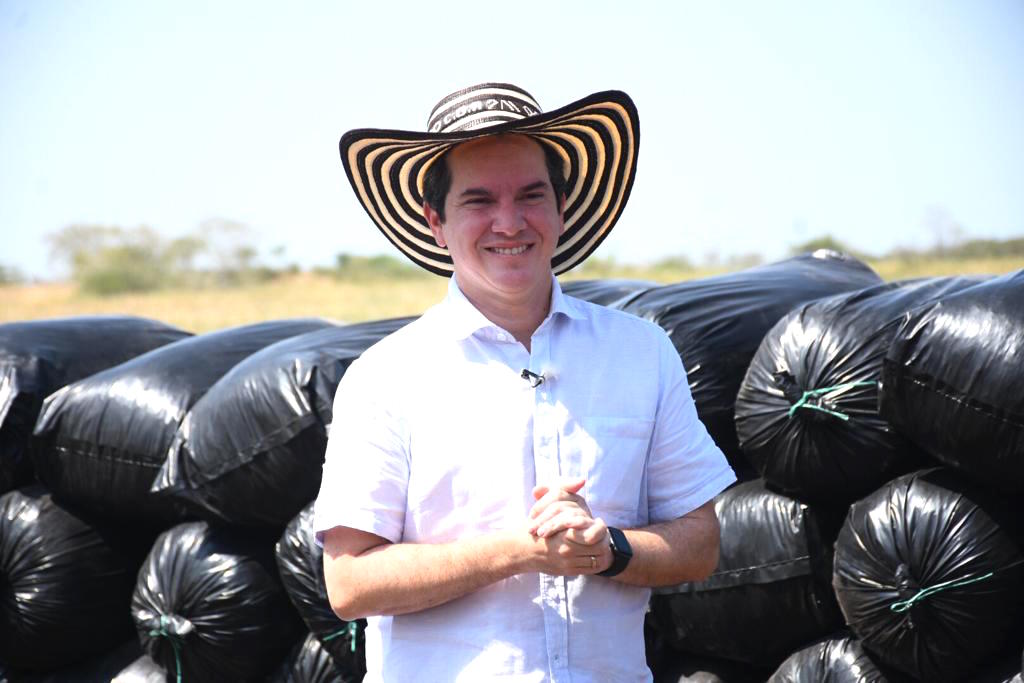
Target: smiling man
<point x="502" y="220"/>
<point x="507" y="476"/>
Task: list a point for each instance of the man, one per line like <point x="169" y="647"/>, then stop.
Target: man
<point x="508" y="475"/>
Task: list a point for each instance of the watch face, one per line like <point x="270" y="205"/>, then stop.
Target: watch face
<point x="621" y="552"/>
<point x="620" y="546"/>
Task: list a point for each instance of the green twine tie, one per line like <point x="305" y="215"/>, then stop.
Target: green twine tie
<point x="813" y="393"/>
<point x="904" y="605"/>
<point x="175" y="645"/>
<point x="352" y="630"/>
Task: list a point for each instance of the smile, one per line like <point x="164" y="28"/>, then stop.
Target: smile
<point x="510" y="252"/>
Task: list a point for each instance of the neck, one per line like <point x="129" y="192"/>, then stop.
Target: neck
<point x="520" y="316"/>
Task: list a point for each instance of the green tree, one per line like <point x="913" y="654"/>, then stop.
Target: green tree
<point x="107" y="259"/>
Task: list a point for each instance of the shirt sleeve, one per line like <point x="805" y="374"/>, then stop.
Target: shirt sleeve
<point x="366" y="468"/>
<point x="685" y="468"/>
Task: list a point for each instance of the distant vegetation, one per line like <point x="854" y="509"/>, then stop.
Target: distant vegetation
<point x="357" y="268"/>
<point x="10" y="276"/>
<point x="110" y="260"/>
<point x="214" y="278"/>
<point x="966" y="249"/>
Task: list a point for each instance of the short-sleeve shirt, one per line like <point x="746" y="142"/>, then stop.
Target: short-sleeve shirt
<point x="438" y="437"/>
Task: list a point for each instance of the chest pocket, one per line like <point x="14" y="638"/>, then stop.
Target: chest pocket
<point x="611" y="453"/>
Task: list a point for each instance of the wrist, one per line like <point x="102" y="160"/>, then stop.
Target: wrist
<point x="621" y="553"/>
<point x="526" y="552"/>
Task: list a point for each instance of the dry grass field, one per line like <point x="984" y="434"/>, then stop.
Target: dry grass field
<point x="318" y="295"/>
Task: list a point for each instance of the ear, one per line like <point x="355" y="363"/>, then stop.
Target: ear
<point x="434" y="223"/>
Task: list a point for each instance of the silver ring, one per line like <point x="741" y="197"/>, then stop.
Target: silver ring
<point x="593" y="562"/>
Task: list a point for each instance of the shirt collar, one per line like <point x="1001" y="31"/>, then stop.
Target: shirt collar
<point x="462" y="318"/>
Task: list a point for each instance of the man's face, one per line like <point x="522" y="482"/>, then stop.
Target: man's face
<point x="502" y="220"/>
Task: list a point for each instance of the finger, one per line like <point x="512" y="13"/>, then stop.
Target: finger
<point x="587" y="564"/>
<point x="552" y="511"/>
<point x="564" y="522"/>
<point x="545" y="495"/>
<point x="573" y="485"/>
<point x="593" y="534"/>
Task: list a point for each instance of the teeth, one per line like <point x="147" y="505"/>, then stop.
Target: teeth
<point x="510" y="252"/>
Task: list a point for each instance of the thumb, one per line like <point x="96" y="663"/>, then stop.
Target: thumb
<point x="539" y="491"/>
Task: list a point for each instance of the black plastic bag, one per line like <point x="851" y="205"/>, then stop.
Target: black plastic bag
<point x="39" y="357"/>
<point x="842" y="659"/>
<point x="1004" y="669"/>
<point x="953" y="381"/>
<point x="308" y="662"/>
<point x="611" y="293"/>
<point x="103" y="667"/>
<point x="208" y="605"/>
<point x="807" y="412"/>
<point x="301" y="567"/>
<point x="100" y="442"/>
<point x="770" y="592"/>
<point x="929" y="574"/>
<point x="251" y="450"/>
<point x="717" y="323"/>
<point x="67" y="583"/>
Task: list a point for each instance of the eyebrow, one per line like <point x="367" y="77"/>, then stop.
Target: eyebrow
<point x="539" y="185"/>
<point x="475" y="192"/>
<point x="482" y="192"/>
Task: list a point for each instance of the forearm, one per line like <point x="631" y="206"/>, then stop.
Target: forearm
<point x="398" y="578"/>
<point x="669" y="553"/>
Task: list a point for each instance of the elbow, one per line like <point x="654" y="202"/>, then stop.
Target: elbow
<point x="346" y="601"/>
<point x="690" y="569"/>
<point x="707" y="562"/>
<point x="700" y="558"/>
<point x="345" y="613"/>
<point x="345" y="605"/>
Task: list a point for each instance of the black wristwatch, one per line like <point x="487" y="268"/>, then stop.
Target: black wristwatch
<point x="622" y="553"/>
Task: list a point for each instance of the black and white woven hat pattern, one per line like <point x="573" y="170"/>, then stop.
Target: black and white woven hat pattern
<point x="597" y="138"/>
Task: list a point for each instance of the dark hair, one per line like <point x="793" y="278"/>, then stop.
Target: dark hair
<point x="437" y="181"/>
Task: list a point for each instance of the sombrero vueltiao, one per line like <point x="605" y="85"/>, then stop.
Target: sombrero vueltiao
<point x="597" y="138"/>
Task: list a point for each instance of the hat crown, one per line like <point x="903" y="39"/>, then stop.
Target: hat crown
<point x="481" y="106"/>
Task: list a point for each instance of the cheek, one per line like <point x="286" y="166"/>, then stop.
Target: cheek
<point x="549" y="223"/>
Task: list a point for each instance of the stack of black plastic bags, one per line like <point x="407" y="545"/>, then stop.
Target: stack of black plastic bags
<point x="154" y="525"/>
<point x="881" y="536"/>
<point x="155" y="516"/>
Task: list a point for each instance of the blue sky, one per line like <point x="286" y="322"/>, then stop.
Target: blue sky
<point x="763" y="125"/>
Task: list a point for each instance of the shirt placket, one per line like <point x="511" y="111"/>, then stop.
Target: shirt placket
<point x="553" y="589"/>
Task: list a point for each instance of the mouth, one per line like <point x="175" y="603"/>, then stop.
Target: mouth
<point x="510" y="251"/>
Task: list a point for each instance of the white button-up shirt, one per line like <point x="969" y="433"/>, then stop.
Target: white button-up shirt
<point x="437" y="437"/>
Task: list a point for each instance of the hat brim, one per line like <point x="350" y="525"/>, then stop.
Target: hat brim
<point x="598" y="138"/>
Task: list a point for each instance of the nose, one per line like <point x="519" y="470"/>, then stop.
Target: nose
<point x="508" y="219"/>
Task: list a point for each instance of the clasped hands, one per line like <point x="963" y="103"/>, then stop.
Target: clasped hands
<point x="573" y="541"/>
